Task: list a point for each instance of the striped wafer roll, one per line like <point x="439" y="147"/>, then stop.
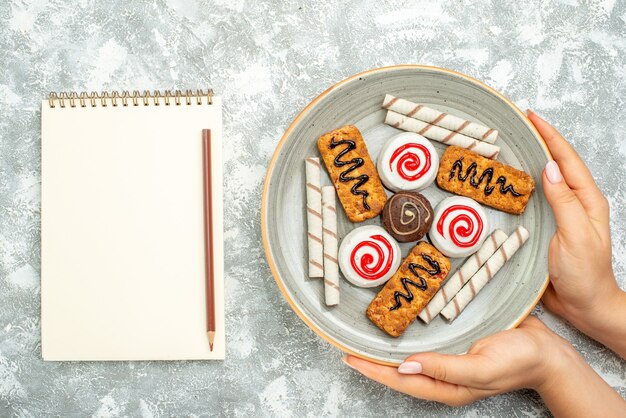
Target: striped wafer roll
<point x="462" y="275"/>
<point x="486" y="273"/>
<point x="314" y="216"/>
<point x="441" y="135"/>
<point x="331" y="268"/>
<point x="442" y="119"/>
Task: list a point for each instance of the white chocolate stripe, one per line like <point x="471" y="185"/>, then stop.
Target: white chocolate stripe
<point x="441" y="119"/>
<point x="462" y="126"/>
<point x="462" y="275"/>
<point x="313" y="212"/>
<point x="331" y="266"/>
<point x="439" y="134"/>
<point x="314" y="187"/>
<point x="391" y="101"/>
<point x="414" y="111"/>
<point x="314" y="161"/>
<point x="486" y="273"/>
<point x="457" y="308"/>
<point x="316" y="264"/>
<point x="314" y="216"/>
<point x="332" y="285"/>
<point x="429" y="318"/>
<point x="313" y="237"/>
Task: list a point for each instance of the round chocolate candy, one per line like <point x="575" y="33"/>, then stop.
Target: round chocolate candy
<point x="407" y="216"/>
<point x="369" y="256"/>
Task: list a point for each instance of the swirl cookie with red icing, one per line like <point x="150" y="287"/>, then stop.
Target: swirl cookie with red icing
<point x="369" y="256"/>
<point x="460" y="226"/>
<point x="408" y="162"/>
<point x="407" y="216"/>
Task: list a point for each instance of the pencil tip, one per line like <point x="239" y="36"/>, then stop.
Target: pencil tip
<point x="211" y="335"/>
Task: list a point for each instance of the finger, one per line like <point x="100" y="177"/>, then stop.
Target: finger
<point x="574" y="169"/>
<point x="576" y="173"/>
<point x="466" y="370"/>
<point x="419" y="386"/>
<point x="568" y="211"/>
<point x="532" y="321"/>
<point x="551" y="301"/>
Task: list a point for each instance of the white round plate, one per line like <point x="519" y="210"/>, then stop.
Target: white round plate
<point x="501" y="305"/>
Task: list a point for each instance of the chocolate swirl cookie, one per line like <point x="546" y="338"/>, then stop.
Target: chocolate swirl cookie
<point x="407" y="216"/>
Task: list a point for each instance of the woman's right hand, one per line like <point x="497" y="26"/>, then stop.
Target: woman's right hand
<point x="582" y="289"/>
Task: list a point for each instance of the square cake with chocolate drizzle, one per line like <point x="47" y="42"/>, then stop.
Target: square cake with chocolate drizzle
<point x="487" y="181"/>
<point x="409" y="290"/>
<point x="353" y="173"/>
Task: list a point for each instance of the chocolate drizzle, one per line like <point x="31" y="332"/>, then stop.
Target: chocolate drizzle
<point x="356" y="163"/>
<point x="435" y="269"/>
<point x="422" y="285"/>
<point x="471" y="172"/>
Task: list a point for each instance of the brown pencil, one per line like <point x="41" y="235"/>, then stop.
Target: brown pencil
<point x="208" y="236"/>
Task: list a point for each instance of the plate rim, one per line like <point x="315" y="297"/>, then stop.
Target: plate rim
<point x="264" y="196"/>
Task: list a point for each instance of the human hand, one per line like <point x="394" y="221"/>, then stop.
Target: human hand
<point x="582" y="289"/>
<point x="491" y="366"/>
<point x="530" y="356"/>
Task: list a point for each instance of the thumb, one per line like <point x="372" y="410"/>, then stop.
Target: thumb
<point x="551" y="301"/>
<point x="464" y="370"/>
<point x="568" y="211"/>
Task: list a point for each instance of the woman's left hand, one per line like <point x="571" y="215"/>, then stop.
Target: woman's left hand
<point x="525" y="357"/>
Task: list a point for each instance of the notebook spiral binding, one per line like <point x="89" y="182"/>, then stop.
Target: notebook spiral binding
<point x="125" y="98"/>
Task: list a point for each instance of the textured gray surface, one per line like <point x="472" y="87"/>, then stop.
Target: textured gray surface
<point x="269" y="60"/>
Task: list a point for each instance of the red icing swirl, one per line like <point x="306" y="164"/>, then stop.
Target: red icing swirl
<point x="461" y="225"/>
<point x="410" y="161"/>
<point x="370" y="266"/>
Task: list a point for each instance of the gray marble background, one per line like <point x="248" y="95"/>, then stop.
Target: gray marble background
<point x="565" y="59"/>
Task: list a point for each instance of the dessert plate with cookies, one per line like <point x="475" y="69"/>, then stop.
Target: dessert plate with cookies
<point x="402" y="212"/>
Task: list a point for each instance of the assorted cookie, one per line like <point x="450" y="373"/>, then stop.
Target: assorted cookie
<point x="460" y="226"/>
<point x="491" y="266"/>
<point x="442" y="135"/>
<point x="353" y="173"/>
<point x="368" y="256"/>
<point x="444" y="120"/>
<point x="407" y="216"/>
<point x="409" y="290"/>
<point x="314" y="216"/>
<point x="471" y="265"/>
<point x="487" y="181"/>
<point x="408" y="162"/>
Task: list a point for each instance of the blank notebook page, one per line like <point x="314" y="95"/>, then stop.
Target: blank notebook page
<point x="122" y="232"/>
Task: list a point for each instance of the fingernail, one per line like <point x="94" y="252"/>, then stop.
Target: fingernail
<point x="529" y="112"/>
<point x="345" y="360"/>
<point x="553" y="172"/>
<point x="410" y="367"/>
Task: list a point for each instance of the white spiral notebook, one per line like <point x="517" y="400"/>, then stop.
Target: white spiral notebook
<point x="122" y="239"/>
